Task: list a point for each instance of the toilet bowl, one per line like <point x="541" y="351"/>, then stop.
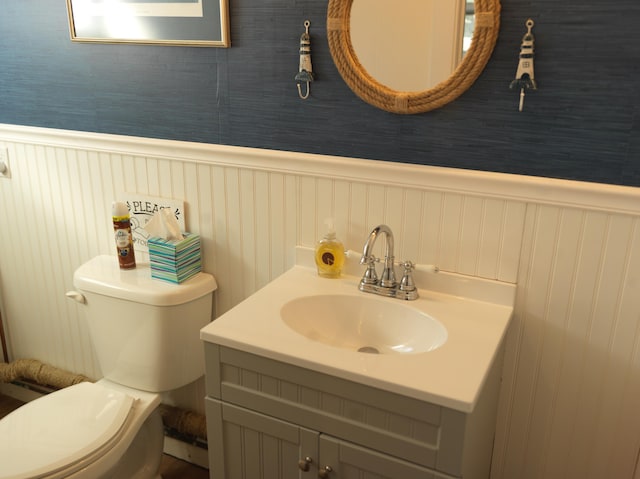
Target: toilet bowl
<point x="146" y="337"/>
<point x="82" y="432"/>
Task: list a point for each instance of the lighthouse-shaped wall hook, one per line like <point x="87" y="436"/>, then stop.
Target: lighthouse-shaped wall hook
<point x="305" y="70"/>
<point x="525" y="79"/>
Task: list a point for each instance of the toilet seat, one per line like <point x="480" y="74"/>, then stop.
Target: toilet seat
<point x="48" y="436"/>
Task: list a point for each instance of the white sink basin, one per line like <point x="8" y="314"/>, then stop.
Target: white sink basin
<point x="438" y="348"/>
<point x="364" y="324"/>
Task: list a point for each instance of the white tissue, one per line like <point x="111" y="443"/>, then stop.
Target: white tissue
<point x="164" y="225"/>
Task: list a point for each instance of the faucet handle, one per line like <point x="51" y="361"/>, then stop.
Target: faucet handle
<point x="370" y="276"/>
<point x="406" y="283"/>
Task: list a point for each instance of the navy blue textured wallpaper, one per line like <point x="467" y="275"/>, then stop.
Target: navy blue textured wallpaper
<point x="583" y="123"/>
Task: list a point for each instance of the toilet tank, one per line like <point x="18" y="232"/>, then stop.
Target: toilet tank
<point x="145" y="331"/>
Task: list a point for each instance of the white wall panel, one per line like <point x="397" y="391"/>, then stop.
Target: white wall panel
<point x="357" y="217"/>
<point x="569" y="404"/>
<point x="571" y="363"/>
<point x="430" y="231"/>
<point x="409" y="237"/>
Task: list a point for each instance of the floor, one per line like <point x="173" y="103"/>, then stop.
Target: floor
<point x="171" y="468"/>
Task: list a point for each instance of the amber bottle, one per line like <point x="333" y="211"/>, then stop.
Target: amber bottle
<point x="123" y="236"/>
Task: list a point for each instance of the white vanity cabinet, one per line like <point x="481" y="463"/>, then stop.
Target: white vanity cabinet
<point x="275" y="420"/>
<point x="255" y="446"/>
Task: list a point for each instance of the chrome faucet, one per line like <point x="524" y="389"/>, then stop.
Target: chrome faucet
<point x="388" y="279"/>
<point x="387" y="284"/>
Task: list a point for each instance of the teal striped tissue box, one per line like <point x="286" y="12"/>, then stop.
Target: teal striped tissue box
<point x="175" y="260"/>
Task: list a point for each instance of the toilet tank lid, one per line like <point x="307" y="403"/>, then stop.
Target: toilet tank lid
<point x="102" y="275"/>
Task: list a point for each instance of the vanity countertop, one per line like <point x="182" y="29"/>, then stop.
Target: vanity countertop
<point x="476" y="313"/>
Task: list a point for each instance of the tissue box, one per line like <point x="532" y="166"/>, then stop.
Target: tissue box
<point x="175" y="260"/>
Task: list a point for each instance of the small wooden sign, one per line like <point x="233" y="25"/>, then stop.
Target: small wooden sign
<point x="142" y="208"/>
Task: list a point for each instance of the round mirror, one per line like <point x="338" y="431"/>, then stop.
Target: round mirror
<point x="400" y="95"/>
<point x="413" y="46"/>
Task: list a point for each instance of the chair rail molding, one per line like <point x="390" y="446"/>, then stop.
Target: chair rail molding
<point x="567" y="193"/>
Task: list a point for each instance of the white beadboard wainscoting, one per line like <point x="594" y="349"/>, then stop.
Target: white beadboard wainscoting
<point x="570" y="400"/>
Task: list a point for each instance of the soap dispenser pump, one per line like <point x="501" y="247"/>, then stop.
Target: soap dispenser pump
<point x="329" y="253"/>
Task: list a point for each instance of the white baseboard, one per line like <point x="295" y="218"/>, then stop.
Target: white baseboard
<point x="18" y="392"/>
<point x="186" y="452"/>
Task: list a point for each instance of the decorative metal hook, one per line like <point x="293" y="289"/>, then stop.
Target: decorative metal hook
<point x="306" y="94"/>
<point x="525" y="79"/>
<point x="305" y="71"/>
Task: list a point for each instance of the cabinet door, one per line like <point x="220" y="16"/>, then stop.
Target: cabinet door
<point x="349" y="461"/>
<point x="247" y="445"/>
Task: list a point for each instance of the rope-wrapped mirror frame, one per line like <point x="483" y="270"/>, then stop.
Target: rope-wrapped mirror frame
<point x="485" y="34"/>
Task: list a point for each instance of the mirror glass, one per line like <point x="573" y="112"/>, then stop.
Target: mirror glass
<point x="411" y="56"/>
<point x="411" y="45"/>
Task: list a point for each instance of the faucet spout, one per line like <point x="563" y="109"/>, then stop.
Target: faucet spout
<point x="388" y="277"/>
<point x="371" y="241"/>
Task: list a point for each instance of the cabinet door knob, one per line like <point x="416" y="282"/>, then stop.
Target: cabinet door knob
<point x="303" y="464"/>
<point x="324" y="473"/>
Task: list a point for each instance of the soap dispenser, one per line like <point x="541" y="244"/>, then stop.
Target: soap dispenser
<point x="329" y="253"/>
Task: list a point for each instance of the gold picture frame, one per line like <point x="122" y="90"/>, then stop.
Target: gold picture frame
<point x="201" y="23"/>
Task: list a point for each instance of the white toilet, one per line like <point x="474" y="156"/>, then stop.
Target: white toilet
<point x="146" y="336"/>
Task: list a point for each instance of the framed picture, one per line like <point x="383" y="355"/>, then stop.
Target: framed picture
<point x="203" y="23"/>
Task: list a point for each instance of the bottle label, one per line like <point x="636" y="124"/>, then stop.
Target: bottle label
<point x="122" y="238"/>
<point x="124" y="243"/>
<point x="328" y="258"/>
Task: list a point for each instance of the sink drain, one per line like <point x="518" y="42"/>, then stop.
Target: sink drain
<point x="368" y="349"/>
